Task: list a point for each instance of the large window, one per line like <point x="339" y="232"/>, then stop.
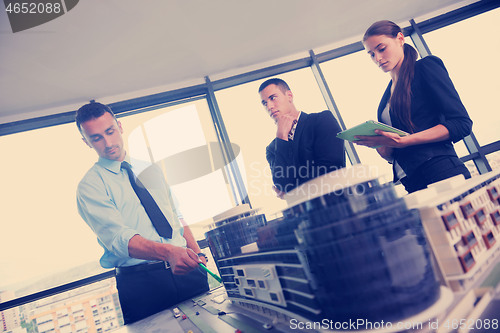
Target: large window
<point x="45" y="243"/>
<point x="470" y="51"/>
<point x="357" y="86"/>
<point x="181" y="140"/>
<point x="41" y="232"/>
<point x="249" y="126"/>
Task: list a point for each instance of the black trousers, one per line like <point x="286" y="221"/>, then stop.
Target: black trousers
<point x="145" y="292"/>
<point x="434" y="170"/>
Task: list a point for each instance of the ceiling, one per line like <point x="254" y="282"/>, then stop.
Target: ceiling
<point x="111" y="50"/>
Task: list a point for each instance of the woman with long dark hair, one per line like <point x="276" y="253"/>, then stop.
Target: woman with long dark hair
<point x="420" y="100"/>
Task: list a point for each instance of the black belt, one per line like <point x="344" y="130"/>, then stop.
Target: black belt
<point x="150" y="266"/>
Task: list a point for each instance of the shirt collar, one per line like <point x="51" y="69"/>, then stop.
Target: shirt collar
<point x="291" y="134"/>
<point x="113" y="166"/>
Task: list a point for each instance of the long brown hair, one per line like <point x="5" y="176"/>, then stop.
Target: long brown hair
<point x="401" y="97"/>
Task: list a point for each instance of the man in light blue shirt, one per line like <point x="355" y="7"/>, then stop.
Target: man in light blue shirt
<point x="109" y="205"/>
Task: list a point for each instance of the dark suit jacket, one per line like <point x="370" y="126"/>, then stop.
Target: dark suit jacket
<point x="314" y="150"/>
<point x="434" y="101"/>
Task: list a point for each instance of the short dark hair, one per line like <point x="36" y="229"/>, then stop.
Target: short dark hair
<point x="90" y="111"/>
<point x="278" y="82"/>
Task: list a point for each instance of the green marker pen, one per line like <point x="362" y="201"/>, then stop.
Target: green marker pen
<point x="215" y="276"/>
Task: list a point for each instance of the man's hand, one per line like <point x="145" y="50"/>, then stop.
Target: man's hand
<point x="190" y="241"/>
<point x="182" y="260"/>
<point x="203" y="260"/>
<point x="284" y="123"/>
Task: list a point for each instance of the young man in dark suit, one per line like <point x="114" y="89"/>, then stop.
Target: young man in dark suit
<point x="305" y="146"/>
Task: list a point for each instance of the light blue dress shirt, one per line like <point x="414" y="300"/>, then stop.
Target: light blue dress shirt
<point x="108" y="204"/>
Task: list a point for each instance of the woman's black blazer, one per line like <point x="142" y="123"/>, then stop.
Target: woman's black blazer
<point x="434" y="101"/>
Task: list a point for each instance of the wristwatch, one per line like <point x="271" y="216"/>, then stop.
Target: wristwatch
<point x="201" y="254"/>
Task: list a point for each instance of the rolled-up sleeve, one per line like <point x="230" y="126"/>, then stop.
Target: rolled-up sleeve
<point x="445" y="98"/>
<point x="100" y="213"/>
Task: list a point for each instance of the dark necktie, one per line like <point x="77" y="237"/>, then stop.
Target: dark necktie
<point x="156" y="216"/>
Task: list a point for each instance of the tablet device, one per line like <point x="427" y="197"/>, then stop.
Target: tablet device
<point x="368" y="128"/>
